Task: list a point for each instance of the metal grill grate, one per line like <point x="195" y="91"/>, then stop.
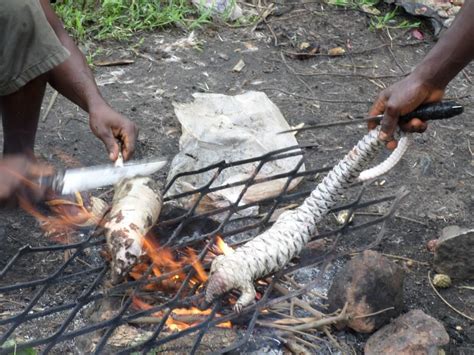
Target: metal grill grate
<point x="66" y="290"/>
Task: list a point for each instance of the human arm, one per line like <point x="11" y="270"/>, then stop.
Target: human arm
<point x="74" y="79"/>
<point x="428" y="81"/>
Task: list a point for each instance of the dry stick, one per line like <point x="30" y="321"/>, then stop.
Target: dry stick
<point x="466" y="287"/>
<point x="296" y="285"/>
<point x="446" y="302"/>
<point x="357" y="75"/>
<point x="373" y="313"/>
<point x="307" y="343"/>
<point x="263" y="16"/>
<point x="389" y="47"/>
<point x="50" y="105"/>
<point x="342" y="316"/>
<point x="300" y="303"/>
<point x="286" y="328"/>
<point x="292" y="345"/>
<point x="296" y="75"/>
<point x="411" y="220"/>
<point x="333" y="340"/>
<point x="466" y="75"/>
<point x="316" y="98"/>
<point x="406" y="259"/>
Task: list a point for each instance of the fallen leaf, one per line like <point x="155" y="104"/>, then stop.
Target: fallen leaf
<point x="111" y="63"/>
<point x="416" y="33"/>
<point x="239" y="66"/>
<point x="335" y="52"/>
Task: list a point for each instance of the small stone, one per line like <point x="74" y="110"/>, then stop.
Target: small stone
<point x="454" y="254"/>
<point x="412" y="333"/>
<point x="369" y="283"/>
<point x="441" y="281"/>
<point x="410" y="263"/>
<point x="431" y="245"/>
<point x="459" y="328"/>
<point x="343" y="216"/>
<point x="223" y="56"/>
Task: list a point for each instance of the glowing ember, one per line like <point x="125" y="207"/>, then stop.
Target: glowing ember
<point x="179" y="324"/>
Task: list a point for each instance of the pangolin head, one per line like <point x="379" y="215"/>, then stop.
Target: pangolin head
<point x="220" y="280"/>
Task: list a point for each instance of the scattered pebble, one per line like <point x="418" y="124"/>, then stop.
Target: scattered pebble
<point x="412" y="333"/>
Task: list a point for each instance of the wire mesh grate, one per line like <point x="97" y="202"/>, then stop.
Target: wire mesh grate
<point x="58" y="300"/>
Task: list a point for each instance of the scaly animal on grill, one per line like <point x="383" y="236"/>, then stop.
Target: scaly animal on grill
<point x="274" y="248"/>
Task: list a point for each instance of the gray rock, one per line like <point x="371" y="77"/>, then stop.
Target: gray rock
<point x="412" y="333"/>
<point x="369" y="283"/>
<point x="454" y="253"/>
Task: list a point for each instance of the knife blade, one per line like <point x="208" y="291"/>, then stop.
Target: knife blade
<point x="69" y="181"/>
<point x="435" y="111"/>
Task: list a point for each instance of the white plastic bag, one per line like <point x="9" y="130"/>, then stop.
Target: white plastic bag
<point x="217" y="127"/>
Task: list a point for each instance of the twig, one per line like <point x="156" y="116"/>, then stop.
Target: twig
<point x="302" y="304"/>
<point x="286" y="328"/>
<point x="446" y="302"/>
<point x="467" y="287"/>
<point x="50" y="105"/>
<point x="307" y="343"/>
<point x="405" y="258"/>
<point x="318" y="99"/>
<point x="333" y="340"/>
<point x="84" y="262"/>
<point x="263" y="16"/>
<point x="466" y="75"/>
<point x="292" y="345"/>
<point x="411" y="220"/>
<point x="356" y="75"/>
<point x="374" y="313"/>
<point x="296" y="75"/>
<point x="111" y="63"/>
<point x="398" y="258"/>
<point x="389" y="47"/>
<point x="325" y="321"/>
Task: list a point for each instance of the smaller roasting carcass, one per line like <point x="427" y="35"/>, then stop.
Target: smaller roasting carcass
<point x="136" y="206"/>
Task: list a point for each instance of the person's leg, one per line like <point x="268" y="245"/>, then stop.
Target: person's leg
<point x="20" y="114"/>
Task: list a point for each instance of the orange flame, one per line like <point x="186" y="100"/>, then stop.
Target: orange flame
<point x="223" y="247"/>
<point x="175" y="324"/>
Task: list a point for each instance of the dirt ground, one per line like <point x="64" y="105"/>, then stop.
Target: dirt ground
<point x="438" y="170"/>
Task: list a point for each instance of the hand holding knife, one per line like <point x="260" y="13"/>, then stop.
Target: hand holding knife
<point x="437" y="111"/>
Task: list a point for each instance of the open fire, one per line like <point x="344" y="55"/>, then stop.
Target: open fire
<point x="162" y="261"/>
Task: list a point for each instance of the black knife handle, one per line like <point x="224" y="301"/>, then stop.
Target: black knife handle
<point x="436" y="111"/>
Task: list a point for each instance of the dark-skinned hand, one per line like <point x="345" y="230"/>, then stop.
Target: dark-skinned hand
<point x="399" y="99"/>
<point x="113" y="129"/>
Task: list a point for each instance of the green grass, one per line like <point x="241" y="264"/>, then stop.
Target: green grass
<point x="353" y="3"/>
<point x="119" y="19"/>
<point x="389" y="20"/>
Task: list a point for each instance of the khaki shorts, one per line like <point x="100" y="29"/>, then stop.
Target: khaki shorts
<point x="28" y="45"/>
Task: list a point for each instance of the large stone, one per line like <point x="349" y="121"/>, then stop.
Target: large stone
<point x="369" y="283"/>
<point x="454" y="253"/>
<point x="412" y="333"/>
